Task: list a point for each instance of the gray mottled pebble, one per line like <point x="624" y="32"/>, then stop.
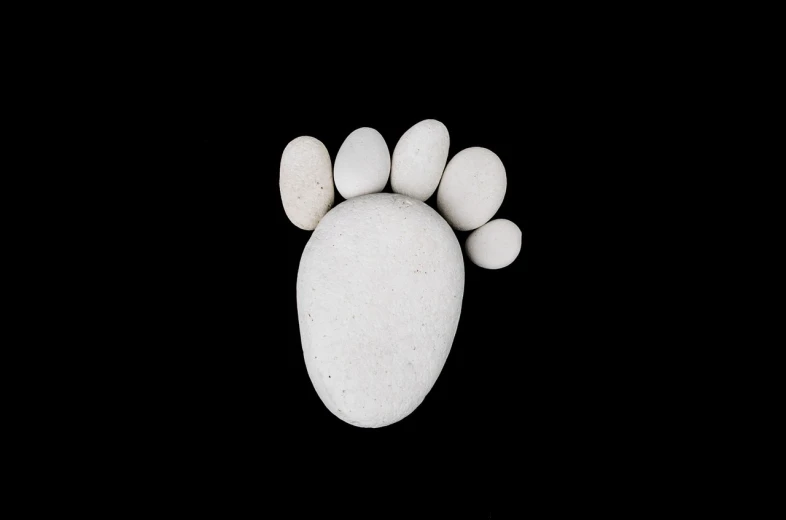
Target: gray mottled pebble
<point x="306" y="182"/>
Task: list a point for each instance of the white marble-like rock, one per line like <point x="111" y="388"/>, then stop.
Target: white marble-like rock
<point x="306" y="182"/>
<point x="362" y="164"/>
<point x="379" y="293"/>
<point x="494" y="245"/>
<point x="472" y="188"/>
<point x="419" y="159"/>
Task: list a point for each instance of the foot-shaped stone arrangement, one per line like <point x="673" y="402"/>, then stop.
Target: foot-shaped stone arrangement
<point x="381" y="279"/>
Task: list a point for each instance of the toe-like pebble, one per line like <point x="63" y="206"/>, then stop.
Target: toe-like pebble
<point x="472" y="188"/>
<point x="494" y="245"/>
<point x="362" y="164"/>
<point x="419" y="159"/>
<point x="306" y="182"/>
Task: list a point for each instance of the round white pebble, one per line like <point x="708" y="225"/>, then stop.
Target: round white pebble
<point x="419" y="159"/>
<point x="472" y="188"/>
<point x="362" y="164"/>
<point x="494" y="245"/>
<point x="379" y="293"/>
<point x="306" y="182"/>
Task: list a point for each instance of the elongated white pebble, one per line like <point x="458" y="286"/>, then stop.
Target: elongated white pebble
<point x="306" y="182"/>
<point x="494" y="245"/>
<point x="362" y="164"/>
<point x="472" y="188"/>
<point x="419" y="159"/>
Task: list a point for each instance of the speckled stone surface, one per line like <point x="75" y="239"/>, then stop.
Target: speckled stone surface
<point x="306" y="181"/>
<point x="379" y="294"/>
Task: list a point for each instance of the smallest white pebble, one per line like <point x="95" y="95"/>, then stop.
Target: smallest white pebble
<point x="494" y="245"/>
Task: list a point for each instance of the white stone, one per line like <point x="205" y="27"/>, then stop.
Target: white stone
<point x="379" y="293"/>
<point x="472" y="188"/>
<point x="306" y="182"/>
<point x="419" y="159"/>
<point x="362" y="164"/>
<point x="494" y="245"/>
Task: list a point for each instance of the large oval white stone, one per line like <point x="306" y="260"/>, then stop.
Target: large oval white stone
<point x="362" y="164"/>
<point x="379" y="294"/>
<point x="306" y="181"/>
<point x="472" y="188"/>
<point x="419" y="159"/>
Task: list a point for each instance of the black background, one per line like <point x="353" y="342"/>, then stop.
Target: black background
<point x="187" y="358"/>
<point x="214" y="346"/>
